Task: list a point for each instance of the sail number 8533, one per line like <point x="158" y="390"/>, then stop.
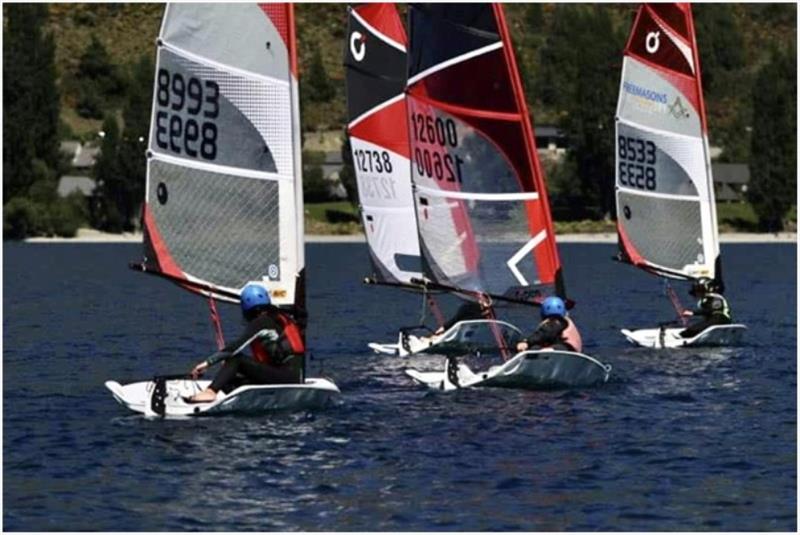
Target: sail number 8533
<point x="197" y="134"/>
<point x="637" y="159"/>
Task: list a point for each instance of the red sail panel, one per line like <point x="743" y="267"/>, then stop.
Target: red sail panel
<point x="485" y="223"/>
<point x="668" y="45"/>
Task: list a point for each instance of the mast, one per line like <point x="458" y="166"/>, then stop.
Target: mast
<point x="666" y="213"/>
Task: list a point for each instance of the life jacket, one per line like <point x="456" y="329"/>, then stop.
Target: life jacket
<point x="290" y="332"/>
<point x="571" y="336"/>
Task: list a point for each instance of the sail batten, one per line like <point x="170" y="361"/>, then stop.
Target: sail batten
<point x="666" y="213"/>
<point x="223" y="202"/>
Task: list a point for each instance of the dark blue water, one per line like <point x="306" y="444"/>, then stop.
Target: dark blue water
<point x="680" y="440"/>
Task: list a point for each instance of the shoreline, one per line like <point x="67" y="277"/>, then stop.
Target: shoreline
<point x="95" y="236"/>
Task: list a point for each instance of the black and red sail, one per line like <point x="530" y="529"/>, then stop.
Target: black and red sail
<point x="482" y="207"/>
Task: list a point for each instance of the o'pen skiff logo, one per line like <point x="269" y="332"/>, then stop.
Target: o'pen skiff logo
<point x="651" y="42"/>
<point x="273" y="272"/>
<point x="358" y="45"/>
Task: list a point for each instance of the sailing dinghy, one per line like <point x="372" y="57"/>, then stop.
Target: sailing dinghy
<point x="376" y="67"/>
<point x="666" y="213"/>
<point x="224" y="203"/>
<point x="484" y="221"/>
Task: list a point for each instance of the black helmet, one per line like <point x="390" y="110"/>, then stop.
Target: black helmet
<point x="703" y="286"/>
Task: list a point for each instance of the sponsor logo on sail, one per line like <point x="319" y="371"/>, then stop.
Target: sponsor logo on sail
<point x="678" y="110"/>
<point x="358" y="45"/>
<point x="652" y="42"/>
<point x="645" y="93"/>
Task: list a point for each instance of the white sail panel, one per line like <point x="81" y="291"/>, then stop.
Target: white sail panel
<point x="384" y="189"/>
<point x="224" y="197"/>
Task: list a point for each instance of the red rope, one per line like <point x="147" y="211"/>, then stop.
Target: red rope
<point x="216" y="323"/>
<point x="676" y="303"/>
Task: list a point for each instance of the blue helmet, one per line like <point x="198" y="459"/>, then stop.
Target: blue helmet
<point x="254" y="295"/>
<point x="553" y="306"/>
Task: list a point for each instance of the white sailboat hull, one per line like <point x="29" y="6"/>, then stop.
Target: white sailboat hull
<point x="535" y="370"/>
<point x="315" y="393"/>
<point x="466" y="336"/>
<point x="716" y="335"/>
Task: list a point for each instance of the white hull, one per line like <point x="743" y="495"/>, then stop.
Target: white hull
<point x="460" y="338"/>
<point x="716" y="335"/>
<point x="534" y="370"/>
<point x="314" y="394"/>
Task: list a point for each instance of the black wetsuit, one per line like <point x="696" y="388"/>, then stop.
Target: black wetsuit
<point x="237" y="369"/>
<point x="469" y="310"/>
<point x="714" y="310"/>
<point x="548" y="334"/>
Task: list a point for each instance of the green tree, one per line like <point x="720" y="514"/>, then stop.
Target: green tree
<point x="318" y="84"/>
<point x="773" y="162"/>
<point x="347" y="176"/>
<point x="99" y="81"/>
<point x="133" y="145"/>
<point x="30" y="97"/>
<point x="581" y="60"/>
<point x="719" y="42"/>
<point x="109" y="214"/>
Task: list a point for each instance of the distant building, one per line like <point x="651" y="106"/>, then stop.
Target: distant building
<point x="331" y="168"/>
<point x="551" y="143"/>
<point x="730" y="181"/>
<point x="68" y="184"/>
<point x="81" y="156"/>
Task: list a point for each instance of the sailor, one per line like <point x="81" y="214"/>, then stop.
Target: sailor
<point x="274" y="340"/>
<point x="556" y="330"/>
<point x="712" y="308"/>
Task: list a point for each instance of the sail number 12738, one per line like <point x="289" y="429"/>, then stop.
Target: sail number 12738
<point x="441" y="134"/>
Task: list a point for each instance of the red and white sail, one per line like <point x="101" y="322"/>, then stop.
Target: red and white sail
<point x="375" y="61"/>
<point x="666" y="215"/>
<point x="482" y="208"/>
<point x="224" y="201"/>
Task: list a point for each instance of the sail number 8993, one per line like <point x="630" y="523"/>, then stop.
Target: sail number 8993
<point x="637" y="159"/>
<point x="193" y="135"/>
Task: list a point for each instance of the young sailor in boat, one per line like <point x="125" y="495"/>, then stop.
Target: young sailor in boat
<point x="556" y="330"/>
<point x="273" y="338"/>
<point x="712" y="308"/>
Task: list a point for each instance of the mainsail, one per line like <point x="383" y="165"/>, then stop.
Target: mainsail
<point x="224" y="201"/>
<point x="482" y="208"/>
<point x="375" y="60"/>
<point x="666" y="215"/>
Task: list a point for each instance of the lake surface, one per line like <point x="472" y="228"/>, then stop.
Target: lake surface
<point x="677" y="440"/>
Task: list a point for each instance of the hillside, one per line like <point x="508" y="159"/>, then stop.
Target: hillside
<point x="129" y="30"/>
